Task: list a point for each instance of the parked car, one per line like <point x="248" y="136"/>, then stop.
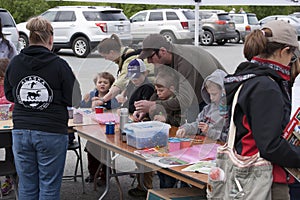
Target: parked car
<point x="9" y="28"/>
<point x="244" y="24"/>
<point x="295" y="14"/>
<point x="290" y="19"/>
<point x="217" y="26"/>
<point x="81" y="28"/>
<point x="177" y="25"/>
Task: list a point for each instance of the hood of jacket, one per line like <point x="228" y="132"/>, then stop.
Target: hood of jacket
<point x="217" y="77"/>
<point x="246" y="71"/>
<point x="36" y="57"/>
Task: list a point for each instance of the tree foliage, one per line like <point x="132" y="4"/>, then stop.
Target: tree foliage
<point x="22" y="10"/>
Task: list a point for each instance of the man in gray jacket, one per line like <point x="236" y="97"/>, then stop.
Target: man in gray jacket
<point x="193" y="63"/>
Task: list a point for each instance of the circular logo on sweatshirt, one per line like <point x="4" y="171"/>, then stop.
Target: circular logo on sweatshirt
<point x="34" y="92"/>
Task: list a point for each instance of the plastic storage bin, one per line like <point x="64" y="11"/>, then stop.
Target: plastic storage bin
<point x="147" y="134"/>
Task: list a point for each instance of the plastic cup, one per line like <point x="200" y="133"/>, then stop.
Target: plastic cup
<point x="4" y="110"/>
<point x="77" y="118"/>
<point x="99" y="109"/>
<point x="70" y="112"/>
<point x="174" y="144"/>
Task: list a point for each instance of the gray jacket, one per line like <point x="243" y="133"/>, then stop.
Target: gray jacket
<point x="213" y="114"/>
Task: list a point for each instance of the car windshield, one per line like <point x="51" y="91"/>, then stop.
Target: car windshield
<point x="252" y="20"/>
<point x="6" y="19"/>
<point x="189" y="14"/>
<point x="110" y="15"/>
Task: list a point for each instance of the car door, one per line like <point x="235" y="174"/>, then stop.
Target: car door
<point x="138" y="25"/>
<point x="155" y="22"/>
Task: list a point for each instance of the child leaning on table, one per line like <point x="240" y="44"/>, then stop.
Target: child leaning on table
<point x="6" y="187"/>
<point x="103" y="81"/>
<point x="212" y="120"/>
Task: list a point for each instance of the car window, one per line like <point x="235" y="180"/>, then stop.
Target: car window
<point x="6" y="19"/>
<point x="156" y="16"/>
<point x="252" y="20"/>
<point x="49" y="15"/>
<point x="205" y="15"/>
<point x="189" y="14"/>
<point x="172" y="16"/>
<point x="238" y="19"/>
<point x="108" y="15"/>
<point x="141" y="17"/>
<point x="65" y="16"/>
<point x="267" y="20"/>
<point x="224" y="17"/>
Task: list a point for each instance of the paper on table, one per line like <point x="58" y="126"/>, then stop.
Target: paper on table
<point x="295" y="95"/>
<point x="201" y="167"/>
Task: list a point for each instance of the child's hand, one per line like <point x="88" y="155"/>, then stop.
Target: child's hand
<point x="160" y="118"/>
<point x="120" y="98"/>
<point x="86" y="97"/>
<point x="203" y="127"/>
<point x="138" y="116"/>
<point x="180" y="133"/>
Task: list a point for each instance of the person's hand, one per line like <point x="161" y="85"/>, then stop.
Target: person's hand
<point x="120" y="98"/>
<point x="203" y="127"/>
<point x="160" y="118"/>
<point x="96" y="102"/>
<point x="86" y="97"/>
<point x="138" y="116"/>
<point x="143" y="105"/>
<point x="180" y="133"/>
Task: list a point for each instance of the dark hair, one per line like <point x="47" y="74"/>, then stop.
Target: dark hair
<point x="256" y="43"/>
<point x="3" y="38"/>
<point x="3" y="65"/>
<point x="105" y="75"/>
<point x="113" y="43"/>
<point x="40" y="30"/>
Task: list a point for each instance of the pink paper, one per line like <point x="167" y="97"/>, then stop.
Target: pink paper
<point x="197" y="153"/>
<point x="102" y="118"/>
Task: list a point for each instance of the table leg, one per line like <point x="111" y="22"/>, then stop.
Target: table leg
<point x="108" y="174"/>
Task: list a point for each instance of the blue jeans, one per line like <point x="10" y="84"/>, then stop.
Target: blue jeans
<point x="40" y="160"/>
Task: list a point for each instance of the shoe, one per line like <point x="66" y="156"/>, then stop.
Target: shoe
<point x="89" y="179"/>
<point x="137" y="192"/>
<point x="6" y="187"/>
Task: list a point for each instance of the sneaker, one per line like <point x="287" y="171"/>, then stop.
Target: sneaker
<point x="89" y="179"/>
<point x="137" y="192"/>
<point x="6" y="187"/>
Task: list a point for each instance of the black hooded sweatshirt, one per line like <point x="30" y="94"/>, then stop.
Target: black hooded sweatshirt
<point x="41" y="85"/>
<point x="262" y="112"/>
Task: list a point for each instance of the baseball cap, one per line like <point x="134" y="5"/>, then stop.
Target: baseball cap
<point x="282" y="32"/>
<point x="135" y="68"/>
<point x="151" y="42"/>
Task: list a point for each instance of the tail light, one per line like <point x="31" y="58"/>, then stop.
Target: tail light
<point x="102" y="26"/>
<point x="220" y="22"/>
<point x="247" y="28"/>
<point x="185" y="25"/>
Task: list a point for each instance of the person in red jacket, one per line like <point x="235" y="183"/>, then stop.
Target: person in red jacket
<point x="264" y="104"/>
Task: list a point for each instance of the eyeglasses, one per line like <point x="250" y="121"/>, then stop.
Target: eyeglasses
<point x="294" y="58"/>
<point x="150" y="57"/>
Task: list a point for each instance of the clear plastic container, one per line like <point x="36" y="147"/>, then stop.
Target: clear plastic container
<point x="147" y="134"/>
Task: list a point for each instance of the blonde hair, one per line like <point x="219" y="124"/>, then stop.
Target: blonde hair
<point x="40" y="30"/>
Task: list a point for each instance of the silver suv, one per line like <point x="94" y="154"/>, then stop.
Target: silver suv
<point x="217" y="26"/>
<point x="177" y="25"/>
<point x="9" y="28"/>
<point x="244" y="24"/>
<point x="81" y="28"/>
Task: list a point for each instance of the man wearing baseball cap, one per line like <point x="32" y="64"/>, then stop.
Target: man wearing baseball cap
<point x="193" y="63"/>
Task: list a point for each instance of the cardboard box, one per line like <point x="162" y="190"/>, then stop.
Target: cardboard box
<point x="176" y="194"/>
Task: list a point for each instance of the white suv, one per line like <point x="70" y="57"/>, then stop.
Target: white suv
<point x="81" y="28"/>
<point x="177" y="25"/>
<point x="9" y="28"/>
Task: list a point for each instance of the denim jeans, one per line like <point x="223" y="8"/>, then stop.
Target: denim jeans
<point x="40" y="160"/>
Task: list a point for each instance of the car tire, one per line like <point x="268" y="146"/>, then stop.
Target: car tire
<point x="236" y="39"/>
<point x="23" y="41"/>
<point x="169" y="36"/>
<point x="207" y="38"/>
<point x="81" y="47"/>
